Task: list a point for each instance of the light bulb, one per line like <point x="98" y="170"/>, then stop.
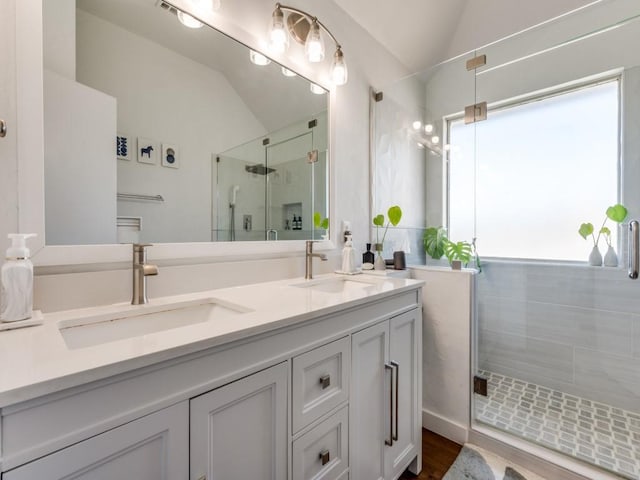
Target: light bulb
<point x="278" y="37"/>
<point x="188" y="21"/>
<point x="420" y="146"/>
<point x="339" y="72"/>
<point x="317" y="89"/>
<point x="428" y="128"/>
<point x="258" y="59"/>
<point x="417" y="124"/>
<point x="435" y="139"/>
<point x="198" y="7"/>
<point x="288" y="73"/>
<point x="314" y="46"/>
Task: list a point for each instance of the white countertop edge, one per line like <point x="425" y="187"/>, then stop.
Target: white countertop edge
<point x="24" y="389"/>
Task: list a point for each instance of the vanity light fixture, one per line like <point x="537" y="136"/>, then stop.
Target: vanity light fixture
<point x="417" y="124"/>
<point x="258" y="59"/>
<point x="198" y="7"/>
<point x="435" y="139"/>
<point x="305" y="29"/>
<point x="428" y="128"/>
<point x="288" y="73"/>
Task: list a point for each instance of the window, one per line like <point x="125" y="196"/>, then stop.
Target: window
<point x="524" y="180"/>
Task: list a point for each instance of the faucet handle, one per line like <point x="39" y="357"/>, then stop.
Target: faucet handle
<point x="139" y="247"/>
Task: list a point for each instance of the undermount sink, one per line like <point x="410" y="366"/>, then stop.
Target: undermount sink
<point x="135" y="321"/>
<point x="339" y="285"/>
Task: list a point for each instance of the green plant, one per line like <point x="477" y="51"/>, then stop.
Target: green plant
<point x="436" y="244"/>
<point x="458" y="251"/>
<point x="434" y="240"/>
<point x="394" y="213"/>
<point x="320" y="222"/>
<point x="616" y="213"/>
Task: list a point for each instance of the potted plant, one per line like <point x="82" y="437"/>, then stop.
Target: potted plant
<point x="437" y="244"/>
<point x="616" y="213"/>
<point x="395" y="214"/>
<point x="321" y="223"/>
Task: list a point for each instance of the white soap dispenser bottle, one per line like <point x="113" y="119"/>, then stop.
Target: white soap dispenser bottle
<point x="16" y="300"/>
<point x="348" y="257"/>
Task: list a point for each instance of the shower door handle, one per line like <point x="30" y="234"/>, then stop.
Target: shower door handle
<point x="634" y="249"/>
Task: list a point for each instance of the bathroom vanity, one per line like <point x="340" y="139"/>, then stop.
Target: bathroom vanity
<point x="291" y="379"/>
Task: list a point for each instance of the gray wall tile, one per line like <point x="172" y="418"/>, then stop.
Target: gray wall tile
<point x="542" y="359"/>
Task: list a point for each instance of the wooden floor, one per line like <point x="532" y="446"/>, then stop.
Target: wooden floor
<point x="438" y="454"/>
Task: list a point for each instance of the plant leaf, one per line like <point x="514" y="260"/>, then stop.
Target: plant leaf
<point x="434" y="240"/>
<point x="378" y="220"/>
<point x="395" y="214"/>
<point x="617" y="213"/>
<point x="317" y="218"/>
<point x="605" y="231"/>
<point x="585" y="230"/>
<point x="458" y="251"/>
<point x="324" y="224"/>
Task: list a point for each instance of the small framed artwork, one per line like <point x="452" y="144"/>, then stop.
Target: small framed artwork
<point x="147" y="151"/>
<point x="123" y="147"/>
<point x="170" y="157"/>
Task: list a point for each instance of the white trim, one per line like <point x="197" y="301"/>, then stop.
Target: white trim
<point x="444" y="427"/>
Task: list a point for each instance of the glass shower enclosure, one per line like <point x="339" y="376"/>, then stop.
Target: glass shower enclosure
<point x="550" y="174"/>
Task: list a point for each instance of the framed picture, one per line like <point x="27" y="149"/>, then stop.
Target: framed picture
<point x="147" y="151"/>
<point x="170" y="156"/>
<point x="123" y="147"/>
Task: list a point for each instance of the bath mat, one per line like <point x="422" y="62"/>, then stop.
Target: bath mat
<point x="474" y="463"/>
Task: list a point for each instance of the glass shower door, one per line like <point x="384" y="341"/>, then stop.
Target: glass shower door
<point x="557" y="352"/>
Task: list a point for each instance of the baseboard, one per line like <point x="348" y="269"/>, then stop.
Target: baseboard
<point x="444" y="427"/>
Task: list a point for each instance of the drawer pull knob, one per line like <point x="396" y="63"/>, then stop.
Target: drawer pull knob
<point x="325" y="381"/>
<point x="324" y="457"/>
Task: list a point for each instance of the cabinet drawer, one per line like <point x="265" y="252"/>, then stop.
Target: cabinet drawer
<point x="320" y="381"/>
<point x="322" y="453"/>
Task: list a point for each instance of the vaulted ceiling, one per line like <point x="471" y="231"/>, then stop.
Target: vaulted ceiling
<point x="422" y="33"/>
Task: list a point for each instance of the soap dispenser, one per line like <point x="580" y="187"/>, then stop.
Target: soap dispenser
<point x="16" y="301"/>
<point x="348" y="257"/>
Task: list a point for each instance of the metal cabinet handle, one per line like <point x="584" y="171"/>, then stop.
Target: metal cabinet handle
<point x="3" y="128"/>
<point x="397" y="367"/>
<point x="325" y="381"/>
<point x="324" y="457"/>
<point x="634" y="249"/>
<point x="389" y="441"/>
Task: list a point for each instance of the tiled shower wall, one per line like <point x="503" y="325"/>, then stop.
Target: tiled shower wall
<point x="572" y="328"/>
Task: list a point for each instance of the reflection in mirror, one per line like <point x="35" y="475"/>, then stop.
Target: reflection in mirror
<point x="188" y="117"/>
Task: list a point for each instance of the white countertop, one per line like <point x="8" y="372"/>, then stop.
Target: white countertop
<point x="37" y="361"/>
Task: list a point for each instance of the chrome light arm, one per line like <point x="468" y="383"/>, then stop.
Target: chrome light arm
<point x="634" y="249"/>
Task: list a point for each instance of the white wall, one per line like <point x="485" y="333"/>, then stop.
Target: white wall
<point x="139" y="72"/>
<point x="80" y="125"/>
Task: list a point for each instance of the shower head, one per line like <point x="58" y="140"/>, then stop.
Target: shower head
<point x="234" y="194"/>
<point x="259" y="169"/>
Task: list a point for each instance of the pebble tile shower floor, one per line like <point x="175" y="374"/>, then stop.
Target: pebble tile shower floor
<point x="591" y="431"/>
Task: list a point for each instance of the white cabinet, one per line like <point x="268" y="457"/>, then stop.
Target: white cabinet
<point x="385" y="397"/>
<point x="154" y="447"/>
<point x="313" y="400"/>
<point x="240" y="430"/>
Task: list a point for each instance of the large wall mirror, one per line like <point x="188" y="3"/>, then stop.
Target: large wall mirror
<point x="155" y="132"/>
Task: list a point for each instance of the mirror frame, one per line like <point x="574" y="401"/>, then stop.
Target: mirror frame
<point x="30" y="160"/>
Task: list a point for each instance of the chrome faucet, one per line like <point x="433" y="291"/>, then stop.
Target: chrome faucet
<point x="141" y="269"/>
<point x="308" y="272"/>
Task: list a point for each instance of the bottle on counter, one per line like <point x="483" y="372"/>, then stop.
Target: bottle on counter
<point x="348" y="257"/>
<point x="16" y="278"/>
<point x="368" y="258"/>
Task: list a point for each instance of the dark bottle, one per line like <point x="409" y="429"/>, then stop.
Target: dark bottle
<point x="368" y="256"/>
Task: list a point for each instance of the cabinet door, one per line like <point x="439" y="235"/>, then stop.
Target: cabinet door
<point x="240" y="430"/>
<point x="369" y="409"/>
<point x="405" y="338"/>
<point x="153" y="447"/>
